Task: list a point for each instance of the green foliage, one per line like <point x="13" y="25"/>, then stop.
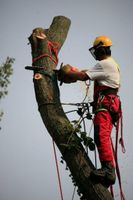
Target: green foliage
<point x="87" y="141"/>
<point x="6" y="71"/>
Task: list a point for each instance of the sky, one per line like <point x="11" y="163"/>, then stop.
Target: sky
<point x="27" y="166"/>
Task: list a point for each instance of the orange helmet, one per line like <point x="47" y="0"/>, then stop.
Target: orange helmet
<point x="102" y="41"/>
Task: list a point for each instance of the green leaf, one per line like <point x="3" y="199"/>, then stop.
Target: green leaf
<point x="92" y="146"/>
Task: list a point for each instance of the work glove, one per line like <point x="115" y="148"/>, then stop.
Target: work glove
<point x="64" y="74"/>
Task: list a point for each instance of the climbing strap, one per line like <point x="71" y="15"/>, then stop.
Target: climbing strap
<point x="53" y="51"/>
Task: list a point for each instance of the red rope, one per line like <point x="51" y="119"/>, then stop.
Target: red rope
<point x="116" y="160"/>
<point x="116" y="155"/>
<point x="53" y="50"/>
<point x="58" y="173"/>
<point x="121" y="141"/>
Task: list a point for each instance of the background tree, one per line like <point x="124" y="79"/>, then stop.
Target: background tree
<point x="45" y="44"/>
<point x="6" y="70"/>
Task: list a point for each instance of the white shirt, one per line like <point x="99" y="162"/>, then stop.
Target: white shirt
<point x="106" y="72"/>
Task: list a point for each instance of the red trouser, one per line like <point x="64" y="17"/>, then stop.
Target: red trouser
<point x="103" y="125"/>
<point x="102" y="132"/>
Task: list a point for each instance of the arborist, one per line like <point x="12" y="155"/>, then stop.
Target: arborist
<point x="106" y="105"/>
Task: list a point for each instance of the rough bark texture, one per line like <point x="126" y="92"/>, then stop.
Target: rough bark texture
<point x="53" y="116"/>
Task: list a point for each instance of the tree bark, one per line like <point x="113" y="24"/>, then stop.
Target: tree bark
<point x="49" y="105"/>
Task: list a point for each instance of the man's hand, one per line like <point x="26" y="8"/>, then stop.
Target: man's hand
<point x="65" y="74"/>
<point x="69" y="74"/>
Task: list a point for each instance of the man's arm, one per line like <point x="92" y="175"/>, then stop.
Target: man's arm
<point x="78" y="75"/>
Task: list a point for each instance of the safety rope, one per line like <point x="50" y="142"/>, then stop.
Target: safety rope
<point x="58" y="172"/>
<point x="116" y="155"/>
<point x="53" y="50"/>
<point x="115" y="151"/>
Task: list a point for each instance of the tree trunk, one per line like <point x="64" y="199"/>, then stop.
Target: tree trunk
<point x="44" y="54"/>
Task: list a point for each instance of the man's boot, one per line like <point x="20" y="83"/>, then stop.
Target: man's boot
<point x="105" y="175"/>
